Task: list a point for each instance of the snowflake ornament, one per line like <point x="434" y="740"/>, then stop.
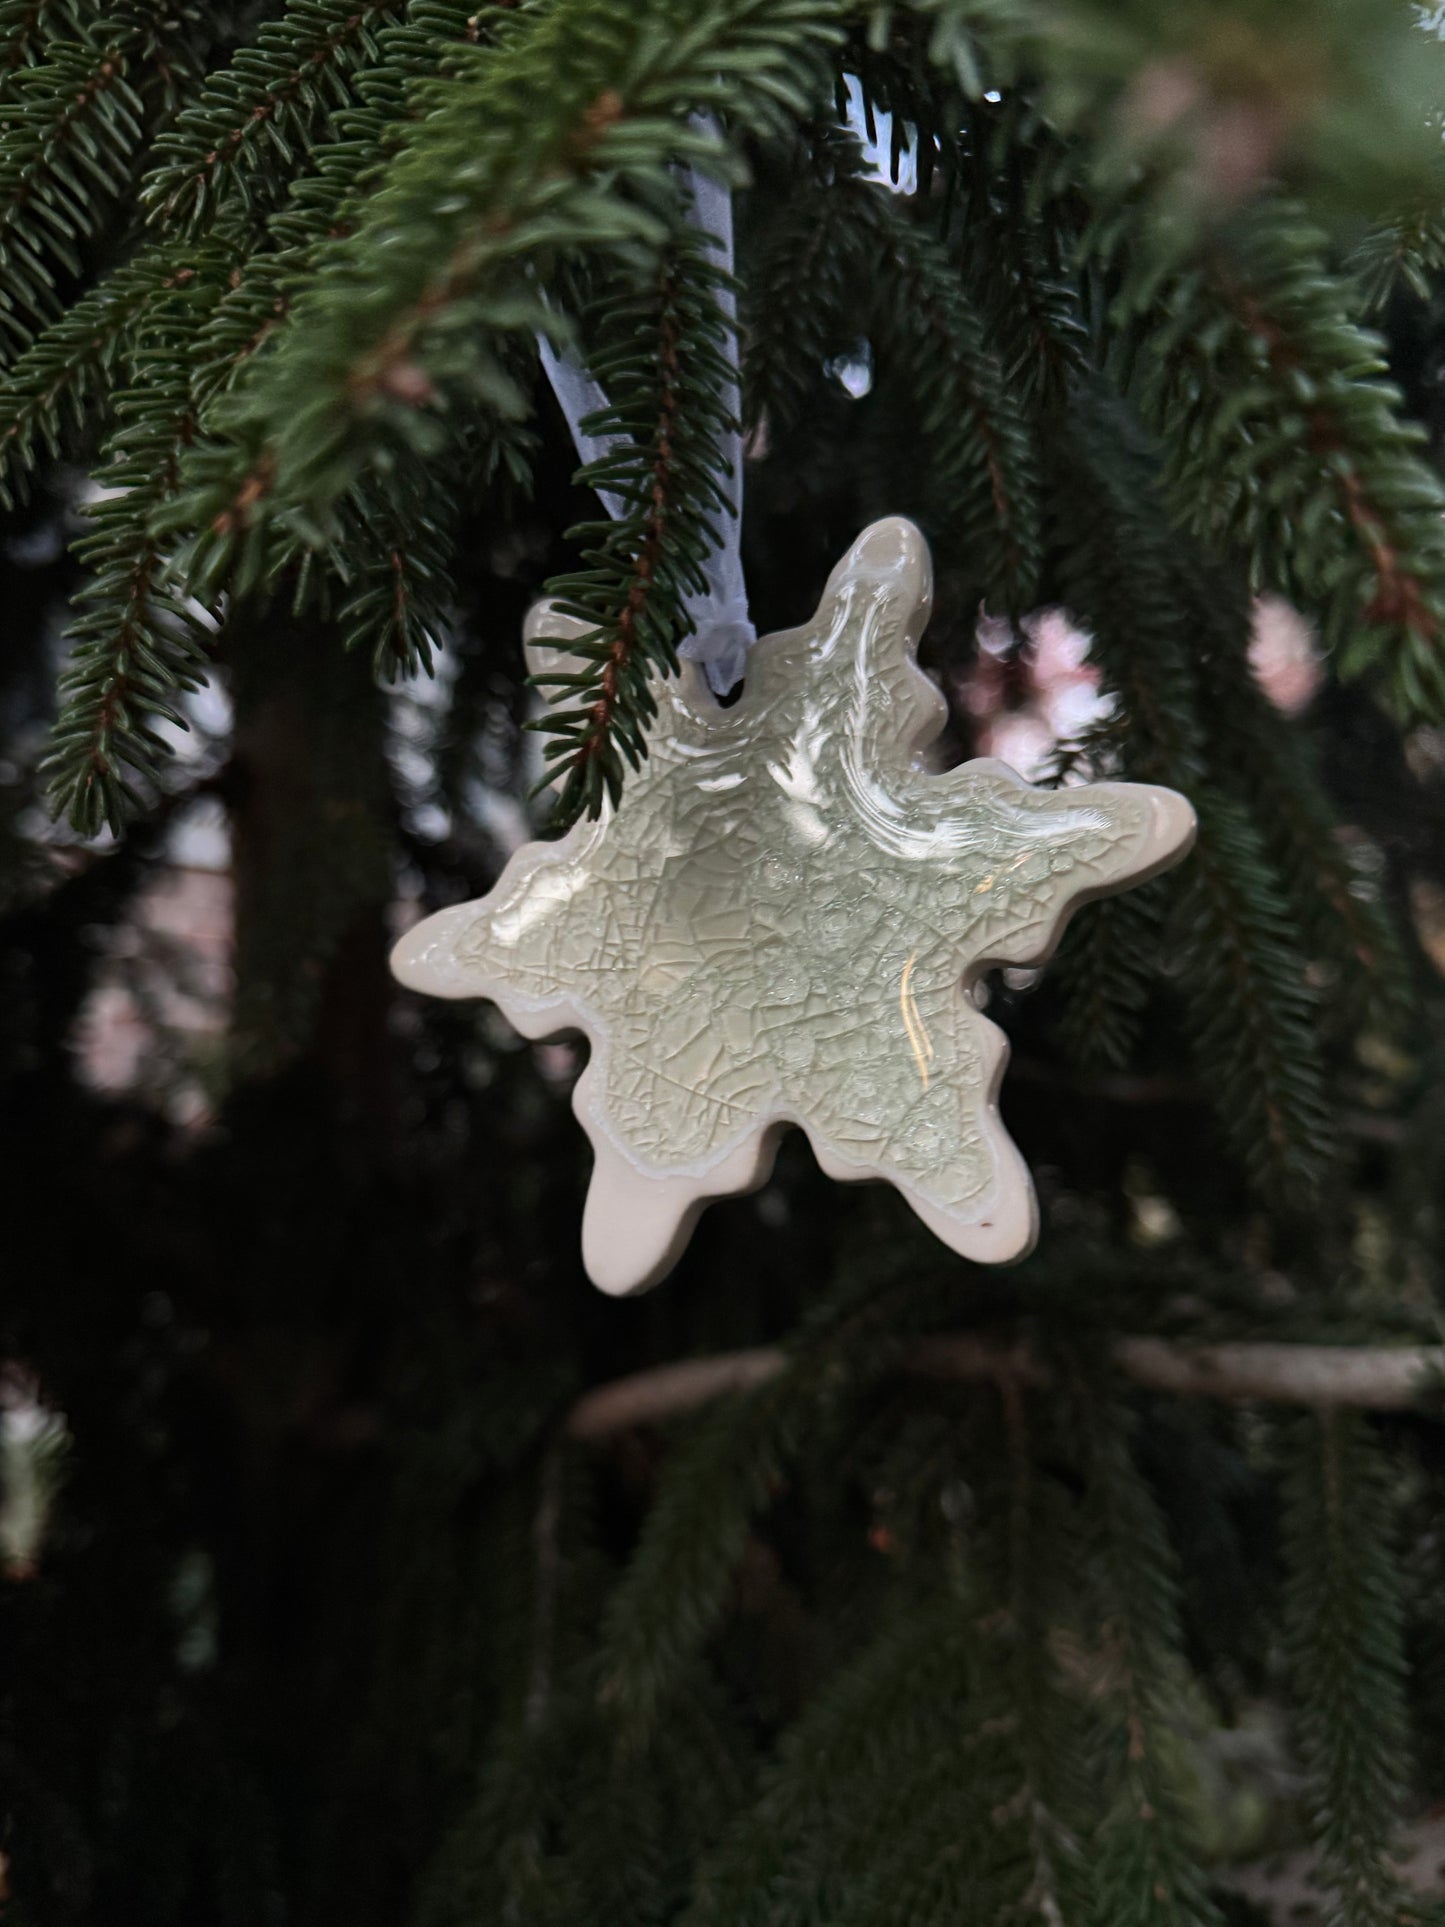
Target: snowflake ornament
<point x="784" y="922"/>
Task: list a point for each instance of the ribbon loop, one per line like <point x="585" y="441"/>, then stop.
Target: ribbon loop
<point x="724" y="630"/>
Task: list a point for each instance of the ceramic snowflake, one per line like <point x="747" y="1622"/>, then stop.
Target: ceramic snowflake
<point x="784" y="921"/>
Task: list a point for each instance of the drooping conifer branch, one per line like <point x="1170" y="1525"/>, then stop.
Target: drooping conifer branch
<point x="1249" y="1001"/>
<point x="1347" y="1652"/>
<point x="545" y="136"/>
<point x="72" y="132"/>
<point x="1308" y="461"/>
<point x="680" y="1584"/>
<point x="666" y="419"/>
<point x="137" y="644"/>
<point x="87" y="346"/>
<point x="805" y="299"/>
<point x="973" y="417"/>
<point x="1052" y="1881"/>
<point x="1406" y="251"/>
<point x="270" y="101"/>
<point x="55" y="386"/>
<point x="1143" y="1847"/>
<point x="27" y="28"/>
<point x="252" y="297"/>
<point x="1106" y="968"/>
<point x="395" y="605"/>
<point x="1338" y="910"/>
<point x="1251" y="965"/>
<point x="863" y="260"/>
<point x="828" y="1808"/>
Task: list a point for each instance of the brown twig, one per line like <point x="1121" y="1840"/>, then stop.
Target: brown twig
<point x="1399" y="596"/>
<point x="1376" y="1378"/>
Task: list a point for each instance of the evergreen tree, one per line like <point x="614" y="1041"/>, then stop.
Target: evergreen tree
<point x="376" y="1569"/>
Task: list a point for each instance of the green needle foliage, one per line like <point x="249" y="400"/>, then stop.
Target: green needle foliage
<point x="665" y="376"/>
<point x="74" y="127"/>
<point x="1145" y="1858"/>
<point x="1241" y="965"/>
<point x="266" y="105"/>
<point x="30" y="26"/>
<point x="136" y="643"/>
<point x="1286" y="445"/>
<point x="871" y="271"/>
<point x="393" y="310"/>
<point x="66" y="379"/>
<point x="1346" y="1648"/>
<point x="942" y="1621"/>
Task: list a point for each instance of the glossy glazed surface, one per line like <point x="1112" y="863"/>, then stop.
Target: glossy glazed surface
<point x="782" y="923"/>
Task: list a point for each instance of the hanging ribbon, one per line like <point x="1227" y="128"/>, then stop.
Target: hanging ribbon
<point x="724" y="631"/>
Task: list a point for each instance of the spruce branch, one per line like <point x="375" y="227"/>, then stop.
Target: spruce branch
<point x="1340" y="917"/>
<point x="847" y="248"/>
<point x="325" y="185"/>
<point x="898" y="1716"/>
<point x="804" y="298"/>
<point x="27" y="28"/>
<point x="1286" y="445"/>
<point x="63" y="381"/>
<point x="1034" y="307"/>
<point x="979" y="441"/>
<point x="1249" y="1003"/>
<point x="136" y="643"/>
<point x="392" y="609"/>
<point x="1141" y="1859"/>
<point x="394" y="551"/>
<point x="1253" y="1014"/>
<point x="666" y="378"/>
<point x="1014" y="207"/>
<point x="945" y="1845"/>
<point x="215" y="164"/>
<point x="1343" y="1601"/>
<point x="1106" y="966"/>
<point x="1406" y="251"/>
<point x="551" y="139"/>
<point x="984" y="471"/>
<point x="680" y="1581"/>
<point x="256" y="302"/>
<point x="1116" y="560"/>
<point x="1045" y="1733"/>
<point x="364" y="131"/>
<point x="72" y="129"/>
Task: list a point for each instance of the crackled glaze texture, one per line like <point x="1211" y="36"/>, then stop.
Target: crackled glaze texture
<point x="782" y="923"/>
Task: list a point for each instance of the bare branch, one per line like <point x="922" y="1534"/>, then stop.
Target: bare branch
<point x="1371" y="1377"/>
